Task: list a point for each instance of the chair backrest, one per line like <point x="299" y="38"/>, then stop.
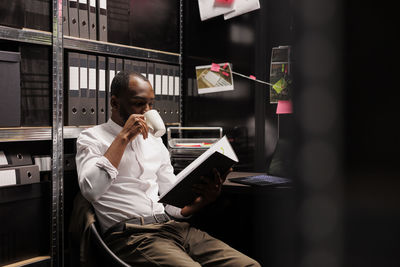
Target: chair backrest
<point x="87" y="247"/>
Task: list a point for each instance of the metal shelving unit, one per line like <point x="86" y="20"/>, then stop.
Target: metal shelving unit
<point x="58" y="132"/>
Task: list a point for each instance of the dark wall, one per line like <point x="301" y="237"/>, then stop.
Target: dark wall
<point x="246" y="42"/>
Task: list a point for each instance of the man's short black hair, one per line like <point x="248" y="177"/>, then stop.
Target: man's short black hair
<point x="120" y="83"/>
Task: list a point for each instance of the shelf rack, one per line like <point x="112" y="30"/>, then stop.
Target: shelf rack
<point x="58" y="132"/>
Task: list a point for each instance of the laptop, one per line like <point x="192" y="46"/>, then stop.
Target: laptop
<point x="261" y="180"/>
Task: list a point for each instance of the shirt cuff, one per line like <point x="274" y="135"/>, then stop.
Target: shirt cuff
<point x="175" y="212"/>
<point x="106" y="165"/>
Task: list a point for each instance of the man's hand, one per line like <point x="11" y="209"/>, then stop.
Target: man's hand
<point x="208" y="192"/>
<point x="134" y="126"/>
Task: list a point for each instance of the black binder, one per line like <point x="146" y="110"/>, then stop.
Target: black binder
<point x="102" y="27"/>
<point x="118" y="21"/>
<point x="73" y="18"/>
<point x="12" y="158"/>
<point x="128" y="65"/>
<point x="35" y="85"/>
<point x="101" y="90"/>
<point x="12" y="13"/>
<point x="83" y="19"/>
<point x="110" y="77"/>
<point x="150" y="77"/>
<point x="142" y="68"/>
<point x="83" y="90"/>
<point x="65" y="17"/>
<point x="23" y="174"/>
<point x="92" y="86"/>
<point x="10" y="89"/>
<point x="92" y="20"/>
<point x="164" y="93"/>
<point x="158" y="90"/>
<point x="171" y="97"/>
<point x="177" y="94"/>
<point x="119" y="65"/>
<point x="73" y="93"/>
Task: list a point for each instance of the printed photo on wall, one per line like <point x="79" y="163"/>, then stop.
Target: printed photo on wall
<point x="214" y="78"/>
<point x="280" y="74"/>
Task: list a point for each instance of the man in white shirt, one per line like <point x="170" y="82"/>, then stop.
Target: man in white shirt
<point x="122" y="169"/>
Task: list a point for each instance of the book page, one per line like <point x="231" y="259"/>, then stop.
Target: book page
<point x="222" y="146"/>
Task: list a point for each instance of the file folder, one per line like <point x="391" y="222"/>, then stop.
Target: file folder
<point x="12" y="13"/>
<point x="12" y="158"/>
<point x="102" y="28"/>
<point x="119" y="65"/>
<point x="37" y="14"/>
<point x="101" y="90"/>
<point x="73" y="18"/>
<point x="65" y="18"/>
<point x="118" y="13"/>
<point x="128" y="65"/>
<point x="20" y="175"/>
<point x="150" y="77"/>
<point x="92" y="85"/>
<point x="83" y="90"/>
<point x="142" y="68"/>
<point x="111" y="75"/>
<point x="158" y="90"/>
<point x="10" y="89"/>
<point x="177" y="93"/>
<point x="164" y="93"/>
<point x="73" y="89"/>
<point x="35" y="85"/>
<point x="92" y="20"/>
<point x="83" y="19"/>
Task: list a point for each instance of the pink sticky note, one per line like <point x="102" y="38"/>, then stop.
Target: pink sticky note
<point x="225" y="73"/>
<point x="225" y="2"/>
<point x="215" y="67"/>
<point x="226" y="65"/>
<point x="252" y="77"/>
<point x="284" y="107"/>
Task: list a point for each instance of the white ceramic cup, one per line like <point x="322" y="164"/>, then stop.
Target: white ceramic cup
<point x="155" y="123"/>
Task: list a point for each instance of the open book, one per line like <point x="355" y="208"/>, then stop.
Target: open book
<point x="220" y="156"/>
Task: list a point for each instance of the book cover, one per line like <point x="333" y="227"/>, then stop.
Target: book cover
<point x="220" y="156"/>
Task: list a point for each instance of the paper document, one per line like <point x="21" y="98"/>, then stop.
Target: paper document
<point x="241" y="7"/>
<point x="208" y="9"/>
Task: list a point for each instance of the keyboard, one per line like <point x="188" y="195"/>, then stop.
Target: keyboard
<point x="261" y="180"/>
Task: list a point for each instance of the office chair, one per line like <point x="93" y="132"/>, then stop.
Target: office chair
<point x="107" y="257"/>
<point x="86" y="245"/>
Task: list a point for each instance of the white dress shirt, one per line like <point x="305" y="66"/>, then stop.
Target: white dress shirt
<point x="131" y="190"/>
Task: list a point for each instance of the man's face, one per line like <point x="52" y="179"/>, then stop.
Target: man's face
<point x="138" y="99"/>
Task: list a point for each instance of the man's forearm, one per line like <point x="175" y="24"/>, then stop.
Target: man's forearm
<point x="116" y="150"/>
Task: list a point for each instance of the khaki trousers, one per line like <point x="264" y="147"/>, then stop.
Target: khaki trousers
<point x="173" y="244"/>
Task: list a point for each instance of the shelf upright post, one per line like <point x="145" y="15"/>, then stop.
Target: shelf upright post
<point x="57" y="234"/>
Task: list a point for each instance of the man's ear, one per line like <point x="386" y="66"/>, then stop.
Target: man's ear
<point x="114" y="102"/>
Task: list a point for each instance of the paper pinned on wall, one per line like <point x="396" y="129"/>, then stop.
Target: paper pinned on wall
<point x="242" y="6"/>
<point x="284" y="107"/>
<point x="208" y="9"/>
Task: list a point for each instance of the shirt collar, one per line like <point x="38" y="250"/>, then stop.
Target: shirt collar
<point x="115" y="128"/>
